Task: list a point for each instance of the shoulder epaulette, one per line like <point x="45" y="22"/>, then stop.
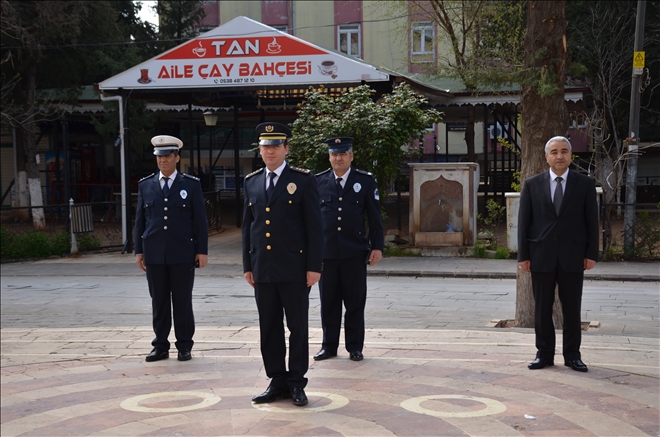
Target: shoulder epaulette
<point x="191" y="176"/>
<point x="323" y="172"/>
<point x="254" y="173"/>
<point x="368" y="173"/>
<point x="146" y="177"/>
<point x="300" y="170"/>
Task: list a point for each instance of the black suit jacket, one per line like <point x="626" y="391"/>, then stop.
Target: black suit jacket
<point x="344" y="220"/>
<point x="283" y="238"/>
<point x="170" y="230"/>
<point x="545" y="237"/>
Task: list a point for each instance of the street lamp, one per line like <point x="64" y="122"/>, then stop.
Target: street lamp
<point x="210" y="119"/>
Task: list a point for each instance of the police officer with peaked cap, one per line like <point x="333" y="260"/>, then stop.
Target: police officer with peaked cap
<point x="282" y="251"/>
<point x="171" y="238"/>
<point x="347" y="196"/>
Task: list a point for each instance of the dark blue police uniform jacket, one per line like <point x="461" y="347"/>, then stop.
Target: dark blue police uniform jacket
<point x="170" y="230"/>
<point x="282" y="239"/>
<point x="343" y="215"/>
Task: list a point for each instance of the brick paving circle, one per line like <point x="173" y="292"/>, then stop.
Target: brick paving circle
<point x="411" y="383"/>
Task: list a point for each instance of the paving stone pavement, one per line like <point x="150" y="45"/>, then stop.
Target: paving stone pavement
<point x="75" y="332"/>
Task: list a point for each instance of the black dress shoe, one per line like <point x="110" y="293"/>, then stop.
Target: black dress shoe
<point x="576" y="365"/>
<point x="356" y="356"/>
<point x="540" y="363"/>
<point x="184" y="356"/>
<point x="299" y="397"/>
<point x="157" y="354"/>
<point x="272" y="394"/>
<point x="324" y="355"/>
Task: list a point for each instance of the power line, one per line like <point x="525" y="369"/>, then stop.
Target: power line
<point x="157" y="41"/>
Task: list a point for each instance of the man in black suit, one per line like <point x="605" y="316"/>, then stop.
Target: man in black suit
<point x="557" y="241"/>
<point x="347" y="196"/>
<point x="171" y="238"/>
<point x="282" y="256"/>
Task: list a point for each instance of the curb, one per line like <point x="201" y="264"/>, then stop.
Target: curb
<point x="505" y="275"/>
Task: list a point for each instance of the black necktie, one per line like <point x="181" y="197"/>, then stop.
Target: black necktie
<point x="338" y="182"/>
<point x="559" y="195"/>
<point x="166" y="187"/>
<point x="271" y="185"/>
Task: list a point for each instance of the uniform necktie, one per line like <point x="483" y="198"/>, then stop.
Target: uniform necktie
<point x="166" y="187"/>
<point x="271" y="185"/>
<point x="338" y="182"/>
<point x="559" y="195"/>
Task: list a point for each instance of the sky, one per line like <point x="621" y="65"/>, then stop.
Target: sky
<point x="147" y="13"/>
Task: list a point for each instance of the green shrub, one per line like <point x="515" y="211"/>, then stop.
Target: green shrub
<point x="41" y="245"/>
<point x="5" y="243"/>
<point x="399" y="251"/>
<point x="502" y="253"/>
<point x="30" y="245"/>
<point x="61" y="244"/>
<point x="480" y="249"/>
<point x="87" y="241"/>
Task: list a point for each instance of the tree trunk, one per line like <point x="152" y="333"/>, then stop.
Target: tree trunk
<point x="544" y="114"/>
<point x="469" y="134"/>
<point x="30" y="144"/>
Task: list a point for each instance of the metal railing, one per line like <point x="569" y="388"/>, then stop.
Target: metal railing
<point x="646" y="231"/>
<point x="100" y="221"/>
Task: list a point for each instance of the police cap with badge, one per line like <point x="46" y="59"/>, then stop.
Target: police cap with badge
<point x="339" y="144"/>
<point x="166" y="144"/>
<point x="272" y="134"/>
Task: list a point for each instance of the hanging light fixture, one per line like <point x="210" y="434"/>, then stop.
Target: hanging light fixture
<point x="210" y="118"/>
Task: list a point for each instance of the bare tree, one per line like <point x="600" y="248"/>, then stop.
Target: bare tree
<point x="459" y="22"/>
<point x="480" y="43"/>
<point x="605" y="44"/>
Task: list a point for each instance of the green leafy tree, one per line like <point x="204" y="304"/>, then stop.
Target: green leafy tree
<point x="60" y="45"/>
<point x="383" y="130"/>
<point x="37" y="34"/>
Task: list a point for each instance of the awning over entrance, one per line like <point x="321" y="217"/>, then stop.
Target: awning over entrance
<point x="244" y="53"/>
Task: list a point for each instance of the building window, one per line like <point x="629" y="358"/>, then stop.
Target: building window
<point x="422" y="37"/>
<point x="284" y="29"/>
<point x="349" y="39"/>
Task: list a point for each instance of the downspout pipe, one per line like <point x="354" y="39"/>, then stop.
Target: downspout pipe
<point x="122" y="157"/>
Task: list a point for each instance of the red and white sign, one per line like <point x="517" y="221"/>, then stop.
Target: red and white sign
<point x="244" y="52"/>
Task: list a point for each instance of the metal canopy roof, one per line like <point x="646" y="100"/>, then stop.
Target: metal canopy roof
<point x="244" y="54"/>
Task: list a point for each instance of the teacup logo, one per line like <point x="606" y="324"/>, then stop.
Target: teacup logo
<point x="199" y="51"/>
<point x="274" y="47"/>
<point x="328" y="68"/>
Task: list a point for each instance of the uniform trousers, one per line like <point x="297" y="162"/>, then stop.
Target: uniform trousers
<point x="343" y="280"/>
<point x="274" y="301"/>
<point x="170" y="286"/>
<point x="570" y="294"/>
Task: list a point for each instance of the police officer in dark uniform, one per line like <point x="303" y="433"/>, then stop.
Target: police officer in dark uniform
<point x="347" y="194"/>
<point x="171" y="238"/>
<point x="282" y="256"/>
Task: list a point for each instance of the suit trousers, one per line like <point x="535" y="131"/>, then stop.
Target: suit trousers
<point x="172" y="282"/>
<point x="274" y="301"/>
<point x="343" y="280"/>
<point x="570" y="295"/>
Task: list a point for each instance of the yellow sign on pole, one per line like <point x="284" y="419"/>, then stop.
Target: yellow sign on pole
<point x="638" y="60"/>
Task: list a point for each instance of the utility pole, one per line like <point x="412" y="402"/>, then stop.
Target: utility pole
<point x="633" y="132"/>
